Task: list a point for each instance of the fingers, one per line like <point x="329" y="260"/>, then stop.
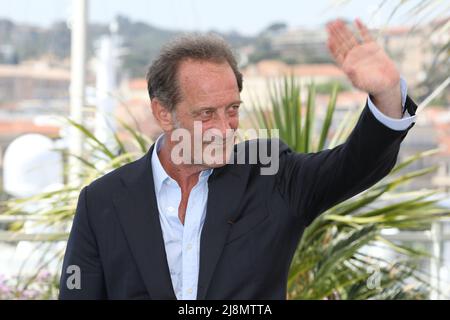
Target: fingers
<point x="333" y="47"/>
<point x="335" y="44"/>
<point x="338" y="39"/>
<point x="341" y="40"/>
<point x="346" y="35"/>
<point x="363" y="31"/>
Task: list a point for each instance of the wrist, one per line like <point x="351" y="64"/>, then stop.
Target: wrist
<point x="389" y="101"/>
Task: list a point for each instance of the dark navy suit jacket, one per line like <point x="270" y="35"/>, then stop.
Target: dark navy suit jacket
<point x="252" y="227"/>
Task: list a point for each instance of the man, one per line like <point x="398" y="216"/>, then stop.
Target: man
<point x="159" y="229"/>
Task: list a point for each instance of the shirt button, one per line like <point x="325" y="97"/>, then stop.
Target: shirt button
<point x="189" y="291"/>
<point x="170" y="209"/>
<point x="189" y="246"/>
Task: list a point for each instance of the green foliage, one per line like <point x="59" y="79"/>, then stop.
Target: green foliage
<point x="330" y="262"/>
<point x="333" y="259"/>
<point x="53" y="211"/>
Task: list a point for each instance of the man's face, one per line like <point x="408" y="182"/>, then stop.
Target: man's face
<point x="208" y="109"/>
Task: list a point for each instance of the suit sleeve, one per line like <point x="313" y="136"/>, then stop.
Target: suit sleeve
<point x="313" y="182"/>
<point x="82" y="259"/>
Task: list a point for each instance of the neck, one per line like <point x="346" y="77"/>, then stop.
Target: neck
<point x="186" y="175"/>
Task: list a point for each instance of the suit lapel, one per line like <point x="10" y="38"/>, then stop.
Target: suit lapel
<point x="226" y="186"/>
<point x="138" y="213"/>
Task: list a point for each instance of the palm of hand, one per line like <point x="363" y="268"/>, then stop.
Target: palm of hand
<point x="369" y="68"/>
<point x="364" y="62"/>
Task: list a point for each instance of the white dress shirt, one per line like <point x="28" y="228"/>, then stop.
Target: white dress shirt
<point x="182" y="242"/>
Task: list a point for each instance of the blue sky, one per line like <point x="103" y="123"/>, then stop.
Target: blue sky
<point x="244" y="16"/>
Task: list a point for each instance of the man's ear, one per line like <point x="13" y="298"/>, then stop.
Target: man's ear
<point x="162" y="115"/>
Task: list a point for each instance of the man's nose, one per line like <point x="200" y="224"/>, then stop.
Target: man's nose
<point x="223" y="124"/>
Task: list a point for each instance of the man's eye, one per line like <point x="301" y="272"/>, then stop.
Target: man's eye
<point x="206" y="113"/>
<point x="233" y="109"/>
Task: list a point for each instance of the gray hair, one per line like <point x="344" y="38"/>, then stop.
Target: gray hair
<point x="162" y="80"/>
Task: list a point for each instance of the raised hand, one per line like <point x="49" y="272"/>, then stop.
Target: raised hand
<point x="366" y="65"/>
